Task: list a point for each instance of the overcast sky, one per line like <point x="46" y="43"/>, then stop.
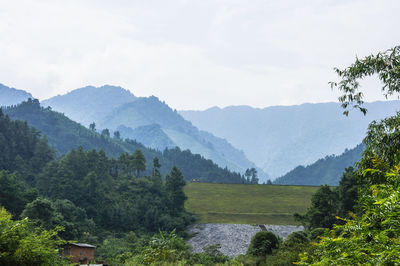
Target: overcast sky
<point x="193" y="54"/>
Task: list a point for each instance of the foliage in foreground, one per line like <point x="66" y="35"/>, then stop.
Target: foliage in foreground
<point x="372" y="237"/>
<point x="21" y="244"/>
<point x="170" y="249"/>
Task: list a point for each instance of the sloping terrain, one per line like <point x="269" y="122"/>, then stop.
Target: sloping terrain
<point x="63" y="134"/>
<point x="136" y="115"/>
<point x="324" y="171"/>
<point x="89" y="104"/>
<point x="10" y="96"/>
<point x="280" y="138"/>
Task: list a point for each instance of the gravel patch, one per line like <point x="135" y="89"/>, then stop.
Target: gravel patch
<point x="234" y="238"/>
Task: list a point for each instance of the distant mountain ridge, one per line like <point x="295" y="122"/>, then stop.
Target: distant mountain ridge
<point x="280" y="138"/>
<point x="86" y="104"/>
<point x="11" y="96"/>
<point x="328" y="170"/>
<point x="115" y="108"/>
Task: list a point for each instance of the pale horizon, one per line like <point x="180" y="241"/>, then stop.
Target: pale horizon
<point x="194" y="55"/>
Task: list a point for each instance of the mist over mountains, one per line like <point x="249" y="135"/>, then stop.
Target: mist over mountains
<point x="147" y="120"/>
<point x="327" y="170"/>
<point x="281" y="138"/>
<point x="12" y="96"/>
<point x="295" y="143"/>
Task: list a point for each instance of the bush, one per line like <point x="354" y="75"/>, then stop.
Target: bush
<point x="290" y="250"/>
<point x="263" y="243"/>
<point x="295" y="239"/>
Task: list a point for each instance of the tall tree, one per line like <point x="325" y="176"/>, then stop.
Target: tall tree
<point x="139" y="162"/>
<point x="14" y="194"/>
<point x="92" y="126"/>
<point x="174" y="183"/>
<point x="156" y="176"/>
<point x="105" y="132"/>
<point x="117" y="135"/>
<point x="322" y="212"/>
<point x="348" y="192"/>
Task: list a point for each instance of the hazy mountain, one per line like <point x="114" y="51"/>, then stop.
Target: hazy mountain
<point x="89" y="104"/>
<point x="125" y="111"/>
<point x="150" y="135"/>
<point x="280" y="138"/>
<point x="63" y="134"/>
<point x="10" y="96"/>
<point x="324" y="171"/>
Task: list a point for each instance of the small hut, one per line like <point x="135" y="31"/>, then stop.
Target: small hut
<point x="78" y="252"/>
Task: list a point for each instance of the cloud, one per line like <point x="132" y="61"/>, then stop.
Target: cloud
<point x="192" y="54"/>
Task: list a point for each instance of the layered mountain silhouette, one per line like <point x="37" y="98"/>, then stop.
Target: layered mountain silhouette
<point x="280" y="138"/>
<point x="287" y="141"/>
<point x="11" y="96"/>
<point x="328" y="170"/>
<point x="63" y="135"/>
<point x="148" y="120"/>
<point x="90" y="104"/>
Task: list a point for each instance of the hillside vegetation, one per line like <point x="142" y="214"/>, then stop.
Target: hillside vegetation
<point x="63" y="134"/>
<point x="247" y="204"/>
<point x="324" y="171"/>
<point x="143" y="119"/>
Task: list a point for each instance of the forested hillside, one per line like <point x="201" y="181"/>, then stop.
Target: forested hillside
<point x="144" y="119"/>
<point x="10" y="96"/>
<point x="324" y="171"/>
<point x="280" y="138"/>
<point x="90" y="195"/>
<point x="64" y="134"/>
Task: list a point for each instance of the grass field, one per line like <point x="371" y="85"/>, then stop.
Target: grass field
<point x="247" y="204"/>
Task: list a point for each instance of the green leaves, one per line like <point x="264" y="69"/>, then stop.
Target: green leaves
<point x="21" y="244"/>
<point x="386" y="65"/>
<point x="371" y="238"/>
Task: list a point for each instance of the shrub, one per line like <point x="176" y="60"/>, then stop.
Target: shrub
<point x="263" y="243"/>
<point x="296" y="238"/>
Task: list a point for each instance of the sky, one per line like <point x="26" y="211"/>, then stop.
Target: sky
<point x="193" y="54"/>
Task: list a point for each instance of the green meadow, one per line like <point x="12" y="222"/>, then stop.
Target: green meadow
<point x="247" y="204"/>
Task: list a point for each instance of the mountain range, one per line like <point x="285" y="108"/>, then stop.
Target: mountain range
<point x="280" y="138"/>
<point x="287" y="141"/>
<point x="64" y="134"/>
<point x="147" y="120"/>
